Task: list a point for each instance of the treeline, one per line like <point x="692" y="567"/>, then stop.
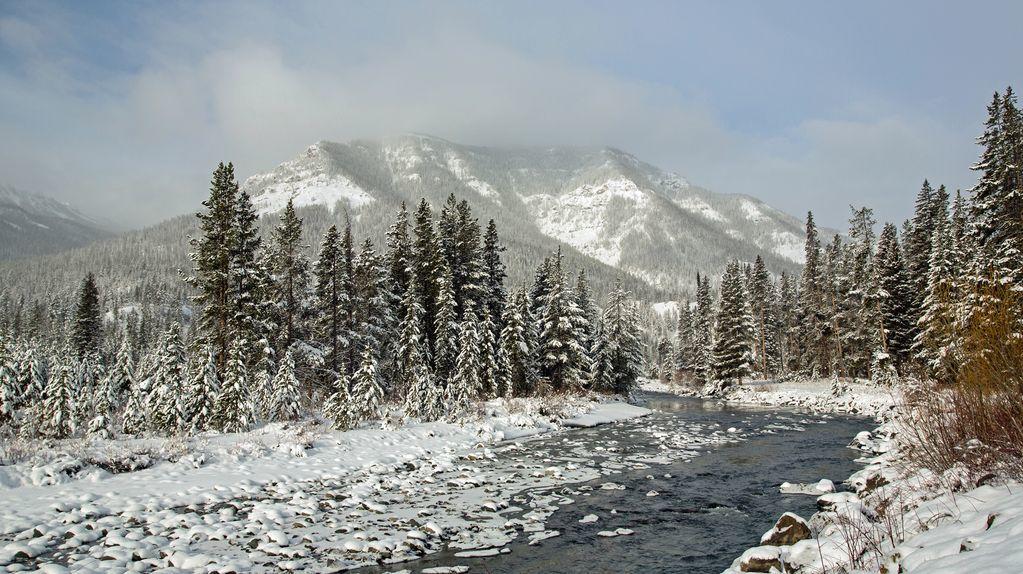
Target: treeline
<point x="938" y="300"/>
<point x="428" y="326"/>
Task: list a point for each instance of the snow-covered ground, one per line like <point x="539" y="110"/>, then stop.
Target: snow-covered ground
<point x="298" y="497"/>
<point x="816" y="395"/>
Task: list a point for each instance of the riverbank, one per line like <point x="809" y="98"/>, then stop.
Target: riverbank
<point x="225" y="502"/>
<point x="853" y="397"/>
<point x="899" y="518"/>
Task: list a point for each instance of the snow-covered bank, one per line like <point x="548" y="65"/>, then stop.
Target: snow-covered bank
<point x="896" y="518"/>
<point x="284" y="493"/>
<point x="815" y="395"/>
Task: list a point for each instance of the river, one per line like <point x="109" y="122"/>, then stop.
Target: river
<point x="691" y="506"/>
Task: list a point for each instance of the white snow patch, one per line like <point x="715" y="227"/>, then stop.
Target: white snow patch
<point x="700" y="207"/>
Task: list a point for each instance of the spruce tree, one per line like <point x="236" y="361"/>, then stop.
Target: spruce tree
<point x="466" y="385"/>
<point x="233" y="408"/>
<point x="9" y="395"/>
<point x="244" y="271"/>
<point x="446" y="326"/>
<point x="168" y="384"/>
<point x="584" y="300"/>
<point x="411" y="353"/>
<point x="936" y="327"/>
<point x="893" y="298"/>
<point x="703" y="325"/>
<point x="763" y="306"/>
<point x="339" y="408"/>
<point x="58" y="399"/>
<point x="290" y="272"/>
<point x="122" y="375"/>
<point x="617" y="353"/>
<point x="563" y="360"/>
<point x="428" y="269"/>
<point x="494" y="275"/>
<point x="331" y="300"/>
<point x="813" y="315"/>
<point x="101" y="425"/>
<point x="685" y="344"/>
<point x="398" y="256"/>
<point x="374" y="323"/>
<point x="199" y="399"/>
<point x="86" y="333"/>
<point x="517" y="347"/>
<point x="285" y="400"/>
<point x="211" y="259"/>
<point x="734" y="342"/>
<point x="367" y="392"/>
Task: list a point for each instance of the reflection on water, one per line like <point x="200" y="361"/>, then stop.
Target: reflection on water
<point x="707" y="509"/>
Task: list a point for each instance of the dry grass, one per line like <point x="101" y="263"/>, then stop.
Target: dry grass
<point x="976" y="423"/>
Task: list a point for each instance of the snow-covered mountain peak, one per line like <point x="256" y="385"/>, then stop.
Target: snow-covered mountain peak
<point x="604" y="202"/>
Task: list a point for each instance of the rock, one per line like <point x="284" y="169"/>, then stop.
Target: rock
<point x="760" y="559"/>
<point x="829" y="502"/>
<point x="789" y="529"/>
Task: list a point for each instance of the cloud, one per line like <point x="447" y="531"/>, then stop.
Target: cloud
<point x="139" y="140"/>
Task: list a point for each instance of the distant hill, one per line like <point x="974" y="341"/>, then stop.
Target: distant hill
<point x="33" y="224"/>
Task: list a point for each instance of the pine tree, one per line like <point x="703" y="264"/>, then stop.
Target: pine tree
<point x="427" y="269"/>
<point x="812" y="315"/>
<point x="517" y="347"/>
<point x="617" y="352"/>
<point x="261" y="377"/>
<point x="763" y="305"/>
<point x="893" y="299"/>
<point x="399" y="251"/>
<point x="331" y="300"/>
<point x="244" y="271"/>
<point x="584" y="301"/>
<point x="211" y="258"/>
<point x="9" y="395"/>
<point x="563" y="360"/>
<point x="233" y="408"/>
<point x="488" y="350"/>
<point x="858" y="313"/>
<point x="703" y="325"/>
<point x="86" y="333"/>
<point x="685" y="344"/>
<point x="494" y="275"/>
<point x="367" y="392"/>
<point x="466" y="385"/>
<point x="101" y="425"/>
<point x="134" y="419"/>
<point x="936" y="327"/>
<point x="285" y="400"/>
<point x="788" y="298"/>
<point x="373" y="320"/>
<point x="408" y="381"/>
<point x="733" y="344"/>
<point x="122" y="375"/>
<point x="57" y="400"/>
<point x="168" y="384"/>
<point x="446" y="325"/>
<point x="339" y="407"/>
<point x="290" y="271"/>
<point x="198" y="402"/>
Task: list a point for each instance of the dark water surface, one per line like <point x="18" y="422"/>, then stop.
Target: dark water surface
<point x="712" y="507"/>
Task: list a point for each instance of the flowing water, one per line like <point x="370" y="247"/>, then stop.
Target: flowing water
<point x="711" y="503"/>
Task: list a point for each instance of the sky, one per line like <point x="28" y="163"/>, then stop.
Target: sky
<point x="124" y="108"/>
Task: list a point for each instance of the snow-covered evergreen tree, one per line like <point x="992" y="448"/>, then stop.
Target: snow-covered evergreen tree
<point x="290" y="273"/>
<point x="200" y="396"/>
<point x="285" y="400"/>
<point x="57" y="413"/>
<point x="86" y="332"/>
<point x="367" y="392"/>
<point x="563" y="360"/>
<point x="211" y="258"/>
<point x="122" y="375"/>
<point x="374" y="323"/>
<point x="339" y="407"/>
<point x="517" y="347"/>
<point x="617" y="354"/>
<point x="245" y="292"/>
<point x="733" y="345"/>
<point x="703" y="326"/>
<point x="813" y="314"/>
<point x="233" y="409"/>
<point x="168" y="384"/>
<point x="466" y="384"/>
<point x="446" y="325"/>
<point x="893" y="300"/>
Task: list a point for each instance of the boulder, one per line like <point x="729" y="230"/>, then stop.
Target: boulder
<point x="789" y="529"/>
<point x="760" y="559"/>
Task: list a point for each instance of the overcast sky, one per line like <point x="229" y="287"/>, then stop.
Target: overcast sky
<point x="123" y="109"/>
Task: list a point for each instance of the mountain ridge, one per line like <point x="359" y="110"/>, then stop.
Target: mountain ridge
<point x="35" y="224"/>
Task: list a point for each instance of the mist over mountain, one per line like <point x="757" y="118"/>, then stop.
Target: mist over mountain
<point x="35" y="224"/>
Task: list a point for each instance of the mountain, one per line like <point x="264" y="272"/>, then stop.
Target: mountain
<point x="603" y="202"/>
<point x="33" y="224"/>
<point x="608" y="211"/>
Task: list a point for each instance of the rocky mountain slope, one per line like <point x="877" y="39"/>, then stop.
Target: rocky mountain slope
<point x="604" y="203"/>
